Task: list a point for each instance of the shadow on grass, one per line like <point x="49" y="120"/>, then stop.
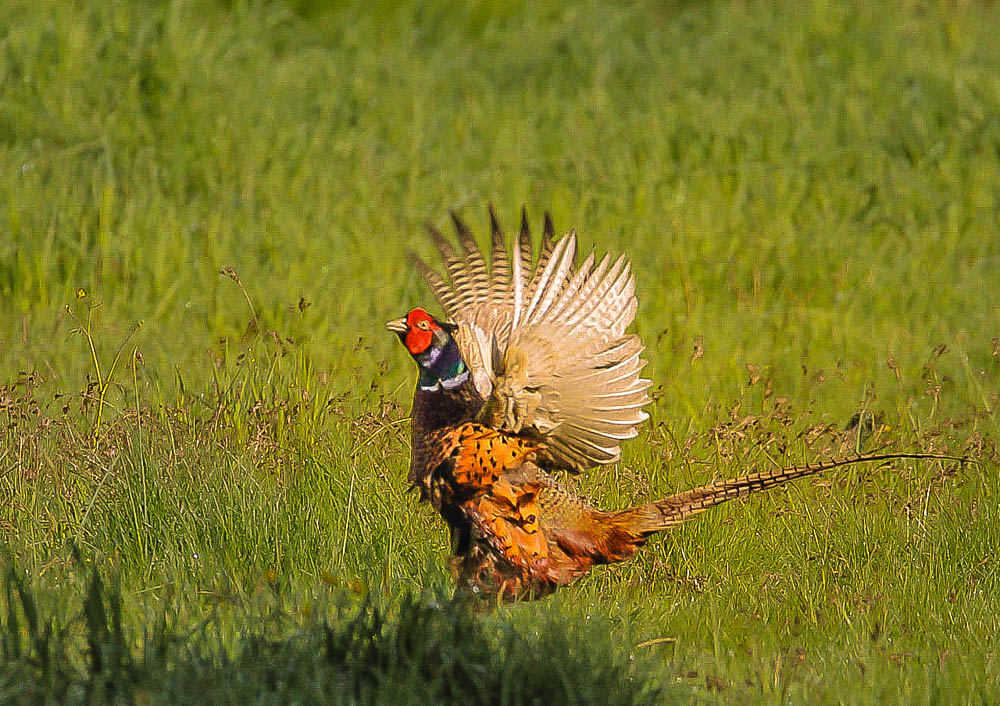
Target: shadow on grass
<point x="415" y="649"/>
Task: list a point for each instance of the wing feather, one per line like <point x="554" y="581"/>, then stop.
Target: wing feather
<point x="442" y="290"/>
<point x="477" y="284"/>
<point x="551" y="279"/>
<point x="524" y="239"/>
<point x="499" y="263"/>
<point x="546" y="340"/>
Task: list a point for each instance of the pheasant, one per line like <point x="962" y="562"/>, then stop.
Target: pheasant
<point x="534" y="372"/>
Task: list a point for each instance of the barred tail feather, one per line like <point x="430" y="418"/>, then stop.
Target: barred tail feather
<point x="676" y="509"/>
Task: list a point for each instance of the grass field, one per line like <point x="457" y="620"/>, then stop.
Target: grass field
<point x="206" y="215"/>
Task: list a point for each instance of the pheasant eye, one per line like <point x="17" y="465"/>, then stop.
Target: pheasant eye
<point x="423" y="325"/>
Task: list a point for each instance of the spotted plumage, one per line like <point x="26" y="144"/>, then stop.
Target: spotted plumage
<point x="470" y="457"/>
<point x="534" y="372"/>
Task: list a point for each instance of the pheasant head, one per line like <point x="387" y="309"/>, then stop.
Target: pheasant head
<point x="431" y="344"/>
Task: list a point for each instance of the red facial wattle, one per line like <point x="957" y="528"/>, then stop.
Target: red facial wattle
<point x="420" y="331"/>
<point x="418" y="341"/>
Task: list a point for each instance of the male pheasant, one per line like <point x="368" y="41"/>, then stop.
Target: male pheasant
<point x="532" y="373"/>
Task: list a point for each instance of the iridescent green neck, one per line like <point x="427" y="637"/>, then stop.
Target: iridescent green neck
<point x="451" y="374"/>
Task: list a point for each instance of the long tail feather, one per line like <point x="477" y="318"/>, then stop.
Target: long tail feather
<point x="679" y="508"/>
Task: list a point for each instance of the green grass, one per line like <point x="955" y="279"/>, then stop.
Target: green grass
<point x="810" y="196"/>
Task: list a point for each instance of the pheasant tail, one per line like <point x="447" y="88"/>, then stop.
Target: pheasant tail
<point x="676" y="509"/>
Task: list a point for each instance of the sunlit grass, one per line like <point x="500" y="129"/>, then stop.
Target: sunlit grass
<point x="206" y="214"/>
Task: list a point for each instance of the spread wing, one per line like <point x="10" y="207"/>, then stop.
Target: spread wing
<point x="546" y="345"/>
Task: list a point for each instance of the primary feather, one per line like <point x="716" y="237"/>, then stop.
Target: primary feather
<point x="547" y="350"/>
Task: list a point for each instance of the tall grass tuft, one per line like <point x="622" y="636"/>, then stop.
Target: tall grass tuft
<point x="350" y="649"/>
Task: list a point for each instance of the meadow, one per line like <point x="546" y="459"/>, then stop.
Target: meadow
<point x="207" y="212"/>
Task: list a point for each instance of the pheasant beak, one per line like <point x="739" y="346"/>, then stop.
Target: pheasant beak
<point x="397" y="325"/>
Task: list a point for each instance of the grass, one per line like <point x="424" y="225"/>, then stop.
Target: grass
<point x="336" y="648"/>
<point x="207" y="210"/>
